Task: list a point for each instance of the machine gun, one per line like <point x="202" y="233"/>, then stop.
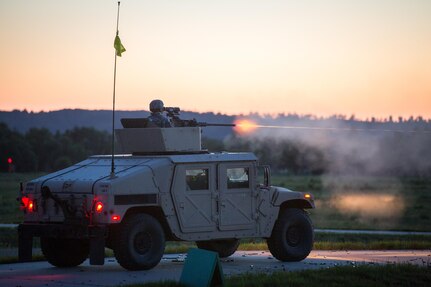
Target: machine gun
<point x="174" y="114"/>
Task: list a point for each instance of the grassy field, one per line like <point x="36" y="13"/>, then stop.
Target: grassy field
<point x="362" y="275"/>
<point x="385" y="203"/>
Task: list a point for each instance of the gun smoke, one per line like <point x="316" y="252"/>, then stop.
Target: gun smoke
<point x="339" y="148"/>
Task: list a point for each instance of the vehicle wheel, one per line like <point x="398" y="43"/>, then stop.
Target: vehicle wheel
<point x="140" y="243"/>
<point x="224" y="247"/>
<point x="292" y="237"/>
<point x="63" y="252"/>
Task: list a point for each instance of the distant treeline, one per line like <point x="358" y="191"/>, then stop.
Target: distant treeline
<point x="290" y="151"/>
<point x="40" y="150"/>
<point x="62" y="120"/>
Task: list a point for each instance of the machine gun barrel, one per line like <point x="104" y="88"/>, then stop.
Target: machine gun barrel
<point x="202" y="124"/>
<point x="174" y="114"/>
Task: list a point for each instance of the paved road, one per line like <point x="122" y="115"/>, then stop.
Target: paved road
<point x="111" y="274"/>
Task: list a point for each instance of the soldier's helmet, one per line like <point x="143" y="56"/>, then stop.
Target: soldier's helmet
<point x="156" y="106"/>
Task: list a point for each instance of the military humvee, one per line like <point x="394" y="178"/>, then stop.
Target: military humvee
<point x="165" y="188"/>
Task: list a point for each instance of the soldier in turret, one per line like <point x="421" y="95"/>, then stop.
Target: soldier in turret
<point x="157" y="119"/>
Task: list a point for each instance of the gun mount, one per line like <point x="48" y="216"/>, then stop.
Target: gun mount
<point x="185" y="136"/>
<point x="159" y="140"/>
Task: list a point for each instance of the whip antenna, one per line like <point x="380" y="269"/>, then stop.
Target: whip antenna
<point x="119" y="48"/>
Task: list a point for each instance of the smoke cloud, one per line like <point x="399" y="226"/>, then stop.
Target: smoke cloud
<point x="352" y="156"/>
<point x="384" y="206"/>
<point x="341" y="146"/>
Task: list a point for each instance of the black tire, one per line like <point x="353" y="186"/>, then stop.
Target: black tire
<point x="224" y="247"/>
<point x="292" y="236"/>
<point x="140" y="243"/>
<point x="62" y="252"/>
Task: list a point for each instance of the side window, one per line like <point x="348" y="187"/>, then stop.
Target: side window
<point x="237" y="178"/>
<point x="197" y="179"/>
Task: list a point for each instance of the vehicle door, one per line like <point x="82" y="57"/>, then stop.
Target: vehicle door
<point x="193" y="197"/>
<point x="236" y="196"/>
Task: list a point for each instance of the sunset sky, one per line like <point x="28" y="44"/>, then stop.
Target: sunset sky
<point x="362" y="57"/>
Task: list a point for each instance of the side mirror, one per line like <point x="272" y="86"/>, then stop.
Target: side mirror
<point x="266" y="170"/>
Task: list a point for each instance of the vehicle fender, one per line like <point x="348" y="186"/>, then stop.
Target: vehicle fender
<point x="284" y="197"/>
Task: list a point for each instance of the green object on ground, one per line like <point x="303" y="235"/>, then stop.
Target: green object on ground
<point x="202" y="268"/>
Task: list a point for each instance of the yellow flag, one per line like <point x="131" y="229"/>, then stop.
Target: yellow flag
<point x="119" y="48"/>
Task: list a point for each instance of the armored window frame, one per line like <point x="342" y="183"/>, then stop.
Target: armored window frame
<point x="197" y="178"/>
<point x="237" y="179"/>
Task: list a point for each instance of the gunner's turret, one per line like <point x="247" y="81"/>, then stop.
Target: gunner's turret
<point x="142" y="136"/>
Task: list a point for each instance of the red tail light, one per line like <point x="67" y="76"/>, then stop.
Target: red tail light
<point x="115" y="218"/>
<point x="98" y="207"/>
<point x="24" y="201"/>
<point x="27" y="204"/>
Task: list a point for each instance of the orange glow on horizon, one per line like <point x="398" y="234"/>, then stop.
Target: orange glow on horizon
<point x="251" y="57"/>
<point x="245" y="126"/>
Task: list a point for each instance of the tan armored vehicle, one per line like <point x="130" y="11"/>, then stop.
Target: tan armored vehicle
<point x="165" y="188"/>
